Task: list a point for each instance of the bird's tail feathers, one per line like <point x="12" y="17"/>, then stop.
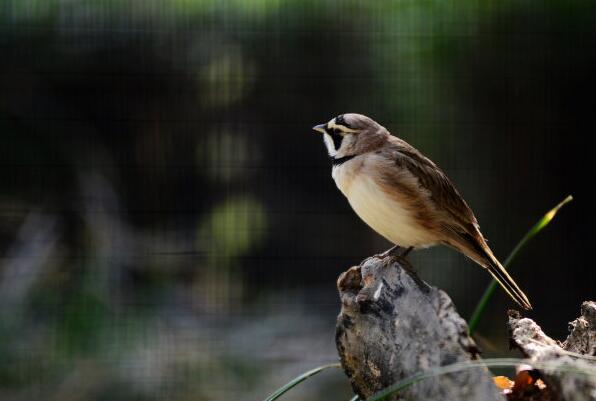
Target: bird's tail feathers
<point x="504" y="279"/>
<point x="484" y="257"/>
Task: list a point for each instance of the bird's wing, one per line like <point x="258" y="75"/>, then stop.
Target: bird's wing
<point x="458" y="222"/>
<point x="443" y="193"/>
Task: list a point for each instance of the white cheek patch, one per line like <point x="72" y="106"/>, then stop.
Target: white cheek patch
<point x="330" y="145"/>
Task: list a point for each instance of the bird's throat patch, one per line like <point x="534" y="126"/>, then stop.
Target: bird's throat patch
<point x="336" y="161"/>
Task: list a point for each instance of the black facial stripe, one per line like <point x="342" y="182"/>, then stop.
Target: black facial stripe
<point x="337" y="139"/>
<point x="341" y="160"/>
<point x="340" y="120"/>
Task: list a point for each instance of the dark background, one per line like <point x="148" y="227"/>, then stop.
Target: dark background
<point x="169" y="229"/>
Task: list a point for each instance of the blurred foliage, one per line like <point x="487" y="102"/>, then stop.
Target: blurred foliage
<point x="169" y="228"/>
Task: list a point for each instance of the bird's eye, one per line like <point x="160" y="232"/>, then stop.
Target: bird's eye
<point x="336" y="131"/>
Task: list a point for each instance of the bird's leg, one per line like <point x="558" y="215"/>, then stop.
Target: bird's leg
<point x="393" y="251"/>
<point x="405" y="264"/>
<point x="407" y="251"/>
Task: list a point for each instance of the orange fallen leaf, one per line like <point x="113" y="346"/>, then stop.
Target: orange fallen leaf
<point x="523" y="380"/>
<point x="503" y="382"/>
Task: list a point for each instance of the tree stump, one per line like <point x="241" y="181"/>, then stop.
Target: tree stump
<point x="392" y="325"/>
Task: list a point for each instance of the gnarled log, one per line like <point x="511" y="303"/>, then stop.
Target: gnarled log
<point x="392" y="326"/>
<point x="571" y="377"/>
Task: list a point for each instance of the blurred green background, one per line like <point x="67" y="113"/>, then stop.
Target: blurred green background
<point x="169" y="229"/>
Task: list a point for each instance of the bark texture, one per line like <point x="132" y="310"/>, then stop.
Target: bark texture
<point x="561" y="365"/>
<point x="392" y="326"/>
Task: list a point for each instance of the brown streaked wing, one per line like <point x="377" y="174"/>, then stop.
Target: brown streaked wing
<point x="444" y="194"/>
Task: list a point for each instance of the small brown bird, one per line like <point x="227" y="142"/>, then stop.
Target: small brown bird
<point x="403" y="195"/>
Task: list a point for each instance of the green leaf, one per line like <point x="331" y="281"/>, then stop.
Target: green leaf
<point x="488" y="293"/>
<point x="299" y="379"/>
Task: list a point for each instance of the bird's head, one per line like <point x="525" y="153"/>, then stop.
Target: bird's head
<point x="351" y="135"/>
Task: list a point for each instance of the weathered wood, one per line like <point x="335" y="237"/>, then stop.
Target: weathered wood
<point x="570" y="376"/>
<point x="392" y="326"/>
<point x="582" y="335"/>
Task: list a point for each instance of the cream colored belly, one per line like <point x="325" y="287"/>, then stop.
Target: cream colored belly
<point x="382" y="213"/>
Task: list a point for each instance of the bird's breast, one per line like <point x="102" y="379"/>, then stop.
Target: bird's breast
<point x="382" y="208"/>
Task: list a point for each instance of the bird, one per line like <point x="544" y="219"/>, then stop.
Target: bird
<point x="404" y="196"/>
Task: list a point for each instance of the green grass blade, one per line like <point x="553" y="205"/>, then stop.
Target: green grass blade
<point x="299" y="379"/>
<point x="488" y="293"/>
<point x="486" y="363"/>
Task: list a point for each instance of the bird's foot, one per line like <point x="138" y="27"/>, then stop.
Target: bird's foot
<point x="399" y="254"/>
<point x="396" y="252"/>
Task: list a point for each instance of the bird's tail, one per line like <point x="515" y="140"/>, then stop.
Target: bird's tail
<point x="500" y="274"/>
<point x="484" y="256"/>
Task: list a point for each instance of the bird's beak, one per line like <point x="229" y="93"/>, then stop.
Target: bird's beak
<point x="320" y="128"/>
